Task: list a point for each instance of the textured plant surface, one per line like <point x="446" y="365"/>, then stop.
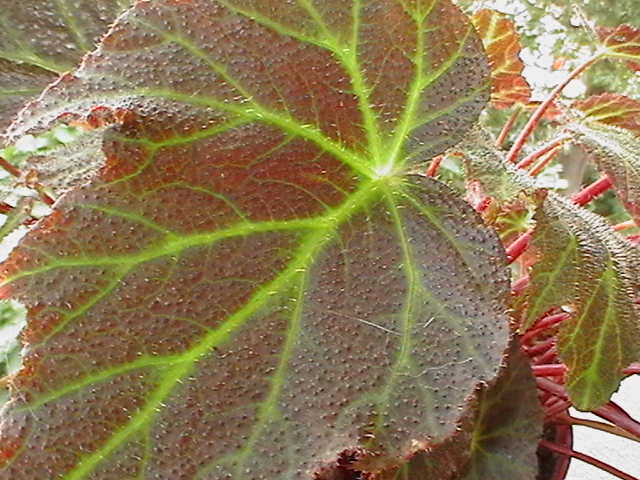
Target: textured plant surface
<point x="246" y="269"/>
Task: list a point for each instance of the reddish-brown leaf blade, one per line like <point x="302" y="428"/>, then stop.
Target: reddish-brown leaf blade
<point x="622" y="42"/>
<point x="502" y="42"/>
<point x="612" y="109"/>
<point x="251" y="284"/>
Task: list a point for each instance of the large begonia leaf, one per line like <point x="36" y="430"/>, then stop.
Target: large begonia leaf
<point x="252" y="284"/>
<point x="622" y="42"/>
<point x="498" y="439"/>
<point x="502" y="42"/>
<point x="584" y="266"/>
<point x="616" y="152"/>
<point x="39" y="40"/>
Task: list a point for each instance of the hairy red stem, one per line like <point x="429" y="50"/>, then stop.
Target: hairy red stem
<point x="506" y="130"/>
<point x="529" y="159"/>
<point x="554" y="447"/>
<point x="592" y="191"/>
<point x="537" y="115"/>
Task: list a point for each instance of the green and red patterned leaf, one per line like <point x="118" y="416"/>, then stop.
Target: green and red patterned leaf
<point x="502" y="42"/>
<point x="612" y="109"/>
<point x="582" y="265"/>
<point x="39" y="40"/>
<point x="622" y="42"/>
<point x="249" y="284"/>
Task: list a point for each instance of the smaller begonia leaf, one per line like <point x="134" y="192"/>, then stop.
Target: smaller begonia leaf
<point x="611" y="109"/>
<point x="502" y="43"/>
<point x="622" y="42"/>
<point x="582" y="265"/>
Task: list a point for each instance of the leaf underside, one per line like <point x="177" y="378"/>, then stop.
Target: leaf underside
<point x="39" y="40"/>
<point x="252" y="284"/>
<point x="582" y="265"/>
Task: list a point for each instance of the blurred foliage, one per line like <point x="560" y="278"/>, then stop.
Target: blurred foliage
<point x="12" y="320"/>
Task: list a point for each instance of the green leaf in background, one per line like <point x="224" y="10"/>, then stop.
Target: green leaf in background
<point x="252" y="283"/>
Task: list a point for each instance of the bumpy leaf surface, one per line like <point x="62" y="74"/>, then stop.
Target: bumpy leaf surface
<point x="497" y="439"/>
<point x="251" y="285"/>
<point x="39" y="40"/>
<point x="616" y="152"/>
<point x="502" y="42"/>
<point x="622" y="42"/>
<point x="583" y="265"/>
<point x="508" y="426"/>
<point x="612" y="109"/>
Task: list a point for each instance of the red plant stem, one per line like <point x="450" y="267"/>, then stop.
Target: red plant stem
<point x="10" y="168"/>
<point x="546" y="322"/>
<point x="556" y="409"/>
<point x="604" y="427"/>
<point x="532" y="124"/>
<point x="13" y="170"/>
<point x="544" y="163"/>
<point x="592" y="191"/>
<point x="616" y="415"/>
<point x="43" y="195"/>
<point x="554" y="447"/>
<point x="557" y="370"/>
<point x="583" y="197"/>
<point x="624" y="226"/>
<point x="529" y="159"/>
<point x="520" y="285"/>
<point x="434" y="166"/>
<point x="552" y="387"/>
<point x="550" y="356"/>
<point x="518" y="247"/>
<point x="506" y="130"/>
<point x="5" y="208"/>
<point x="564" y="437"/>
<point x="633" y="369"/>
<point x="541" y="347"/>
